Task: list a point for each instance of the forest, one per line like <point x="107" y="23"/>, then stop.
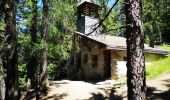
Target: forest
<point x="36" y="40"/>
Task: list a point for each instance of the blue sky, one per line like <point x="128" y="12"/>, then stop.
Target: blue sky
<point x="111" y="2"/>
<point x="40" y="2"/>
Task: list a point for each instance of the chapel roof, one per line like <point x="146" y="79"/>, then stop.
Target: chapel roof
<point x="119" y="43"/>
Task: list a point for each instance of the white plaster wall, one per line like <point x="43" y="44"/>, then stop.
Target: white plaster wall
<point x="122" y="69"/>
<point x="90" y="25"/>
<point x="87" y="24"/>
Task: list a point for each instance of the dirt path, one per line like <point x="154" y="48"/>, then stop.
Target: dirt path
<point x="158" y="89"/>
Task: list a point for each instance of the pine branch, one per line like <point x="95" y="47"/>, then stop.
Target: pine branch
<point x="115" y="29"/>
<point x="100" y="23"/>
<point x="4" y="41"/>
<point x="2" y="31"/>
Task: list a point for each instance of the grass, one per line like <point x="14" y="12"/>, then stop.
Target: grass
<point x="166" y="47"/>
<point x="160" y="67"/>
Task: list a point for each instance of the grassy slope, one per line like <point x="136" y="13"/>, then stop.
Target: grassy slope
<point x="159" y="67"/>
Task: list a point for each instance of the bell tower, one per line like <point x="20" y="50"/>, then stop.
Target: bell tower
<point x="87" y="17"/>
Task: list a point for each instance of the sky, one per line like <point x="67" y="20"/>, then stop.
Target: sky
<point x="40" y="2"/>
<point x="111" y="2"/>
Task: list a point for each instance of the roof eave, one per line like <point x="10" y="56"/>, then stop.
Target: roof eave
<point x="123" y="48"/>
<point x="86" y="36"/>
<point x="162" y="52"/>
<point x="116" y="47"/>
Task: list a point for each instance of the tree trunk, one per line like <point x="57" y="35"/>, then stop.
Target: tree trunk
<point x="33" y="62"/>
<point x="2" y="82"/>
<point x="135" y="51"/>
<point x="12" y="68"/>
<point x="43" y="69"/>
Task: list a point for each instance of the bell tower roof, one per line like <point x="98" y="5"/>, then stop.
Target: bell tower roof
<point x="93" y="2"/>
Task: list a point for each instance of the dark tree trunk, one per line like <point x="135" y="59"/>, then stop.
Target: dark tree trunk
<point x="43" y="68"/>
<point x="12" y="68"/>
<point x="135" y="51"/>
<point x="2" y="82"/>
<point x="33" y="62"/>
<point x="151" y="38"/>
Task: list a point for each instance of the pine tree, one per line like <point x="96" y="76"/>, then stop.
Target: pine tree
<point x="2" y="81"/>
<point x="135" y="51"/>
<point x="43" y="68"/>
<point x="33" y="62"/>
<point x="11" y="53"/>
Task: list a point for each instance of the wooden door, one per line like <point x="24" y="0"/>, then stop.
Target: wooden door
<point x="107" y="63"/>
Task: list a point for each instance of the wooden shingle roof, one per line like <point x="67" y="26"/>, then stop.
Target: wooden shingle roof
<point x="119" y="43"/>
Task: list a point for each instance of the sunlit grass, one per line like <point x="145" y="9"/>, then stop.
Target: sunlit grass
<point x="165" y="46"/>
<point x="157" y="68"/>
<point x="160" y="67"/>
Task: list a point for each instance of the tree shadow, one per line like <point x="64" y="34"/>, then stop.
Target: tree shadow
<point x="55" y="97"/>
<point x="113" y="96"/>
<point x="102" y="92"/>
<point x="167" y="84"/>
<point x="31" y="95"/>
<point x="155" y="94"/>
<point x="110" y="95"/>
<point x="98" y="96"/>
